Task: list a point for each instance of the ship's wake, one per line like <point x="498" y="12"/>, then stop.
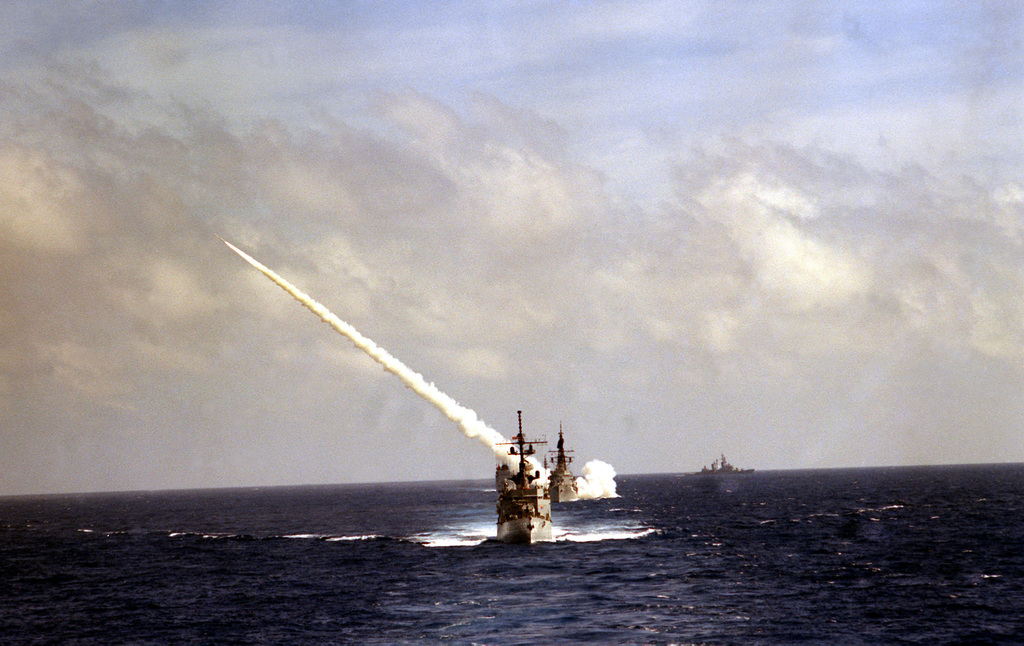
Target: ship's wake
<point x="467" y="536"/>
<point x="591" y="535"/>
<point x="472" y="536"/>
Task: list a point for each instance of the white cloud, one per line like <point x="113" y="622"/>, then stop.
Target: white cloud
<point x="39" y="198"/>
<point x="176" y="291"/>
<point x="307" y="188"/>
<point x="718" y="331"/>
<point x="842" y="252"/>
<point x="806" y="272"/>
<point x="784" y="199"/>
<point x="89" y="372"/>
<point x="482" y="363"/>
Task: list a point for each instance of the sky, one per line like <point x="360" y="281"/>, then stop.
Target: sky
<point x="787" y="231"/>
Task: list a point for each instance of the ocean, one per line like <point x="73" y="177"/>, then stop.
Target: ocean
<point x="922" y="555"/>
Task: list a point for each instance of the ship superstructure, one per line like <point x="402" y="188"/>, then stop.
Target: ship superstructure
<point x="562" y="484"/>
<point x="524" y="505"/>
<point x="501" y="474"/>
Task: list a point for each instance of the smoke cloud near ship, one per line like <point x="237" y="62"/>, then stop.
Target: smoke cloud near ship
<point x="597" y="481"/>
<point x="598" y="477"/>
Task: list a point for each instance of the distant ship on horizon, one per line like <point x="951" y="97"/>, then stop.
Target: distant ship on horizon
<point x="720" y="466"/>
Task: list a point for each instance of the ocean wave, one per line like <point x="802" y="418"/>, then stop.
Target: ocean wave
<point x="360" y="537"/>
<point x="603" y="535"/>
<point x="453" y="541"/>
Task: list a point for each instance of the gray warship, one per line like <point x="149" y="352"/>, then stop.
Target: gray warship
<point x="562" y="484"/>
<point x="524" y="505"/>
<point x="721" y="467"/>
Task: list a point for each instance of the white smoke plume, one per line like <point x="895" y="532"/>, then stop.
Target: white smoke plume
<point x="466" y="419"/>
<point x="597" y="481"/>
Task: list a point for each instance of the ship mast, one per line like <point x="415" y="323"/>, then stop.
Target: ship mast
<point x="522" y="478"/>
<point x="561" y="459"/>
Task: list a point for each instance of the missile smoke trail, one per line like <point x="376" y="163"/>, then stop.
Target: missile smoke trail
<point x="598" y="480"/>
<point x="467" y="419"/>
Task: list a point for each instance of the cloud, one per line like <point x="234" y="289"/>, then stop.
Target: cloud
<point x="701" y="233"/>
<point x="176" y="291"/>
<point x="87" y="372"/>
<point x="482" y="363"/>
<point x="39" y="197"/>
<point x="826" y="255"/>
<point x="763" y="222"/>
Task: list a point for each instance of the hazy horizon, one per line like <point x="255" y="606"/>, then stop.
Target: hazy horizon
<point x="488" y="480"/>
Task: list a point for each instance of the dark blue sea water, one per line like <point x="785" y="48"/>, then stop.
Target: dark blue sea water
<point x="931" y="555"/>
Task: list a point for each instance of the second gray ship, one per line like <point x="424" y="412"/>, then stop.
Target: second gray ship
<point x="562" y="484"/>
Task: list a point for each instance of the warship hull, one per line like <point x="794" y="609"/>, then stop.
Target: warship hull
<point x="563" y="488"/>
<point x="525" y="530"/>
<point x="524" y="515"/>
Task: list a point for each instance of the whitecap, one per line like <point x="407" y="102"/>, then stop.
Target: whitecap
<point x="451" y="537"/>
<point x="452" y="541"/>
<point x="604" y="535"/>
